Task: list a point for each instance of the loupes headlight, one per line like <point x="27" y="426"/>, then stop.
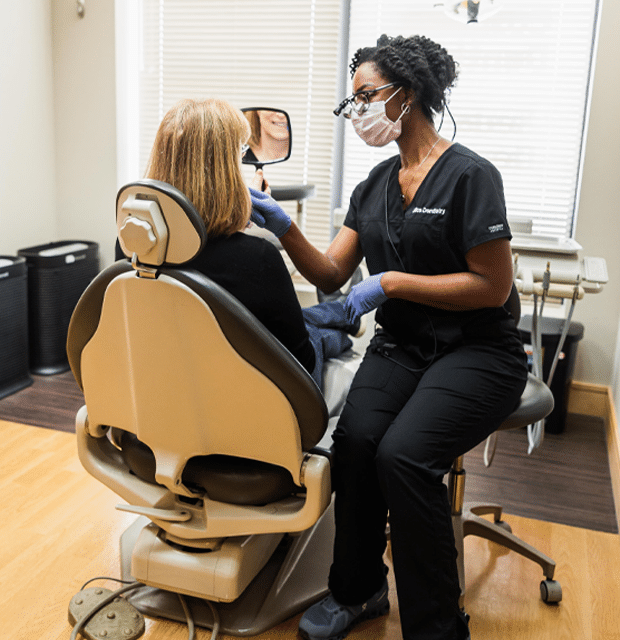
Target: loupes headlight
<point x="359" y="104"/>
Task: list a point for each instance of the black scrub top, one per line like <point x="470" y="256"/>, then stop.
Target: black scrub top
<point x="459" y="205"/>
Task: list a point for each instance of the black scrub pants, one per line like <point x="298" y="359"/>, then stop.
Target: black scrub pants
<point x="397" y="437"/>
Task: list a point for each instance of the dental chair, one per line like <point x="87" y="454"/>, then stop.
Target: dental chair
<point x="205" y="425"/>
<point x="536" y="403"/>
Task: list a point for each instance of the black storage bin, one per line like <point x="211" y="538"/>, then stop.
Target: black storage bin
<point x="551" y="332"/>
<point x="14" y="365"/>
<point x="58" y="273"/>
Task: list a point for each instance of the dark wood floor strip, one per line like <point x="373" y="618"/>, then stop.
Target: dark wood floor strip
<point x="566" y="480"/>
<point x="51" y="402"/>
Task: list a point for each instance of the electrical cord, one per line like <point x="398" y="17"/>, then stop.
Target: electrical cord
<point x="106" y="578"/>
<point x="536" y="431"/>
<point x="384" y="350"/>
<point x="564" y="333"/>
<point x="536" y="364"/>
<point x="447" y="108"/>
<point x="190" y="619"/>
<point x="453" y="122"/>
<point x="402" y="264"/>
<point x="191" y="630"/>
<point x="546" y="281"/>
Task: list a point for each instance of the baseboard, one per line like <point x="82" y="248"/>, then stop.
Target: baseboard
<point x="597" y="400"/>
<point x="613" y="449"/>
<point x="588" y="399"/>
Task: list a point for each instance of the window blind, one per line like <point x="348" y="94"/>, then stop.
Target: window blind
<point x="273" y="53"/>
<point x="521" y="99"/>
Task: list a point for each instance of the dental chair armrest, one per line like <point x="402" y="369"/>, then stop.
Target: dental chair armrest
<point x="215" y="520"/>
<point x="325" y="452"/>
<point x="103" y="461"/>
<point x="325" y="446"/>
<point x="291" y="515"/>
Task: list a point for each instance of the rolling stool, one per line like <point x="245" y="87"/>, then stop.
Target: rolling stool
<point x="536" y="403"/>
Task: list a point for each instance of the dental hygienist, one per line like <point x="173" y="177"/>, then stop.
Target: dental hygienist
<point x="446" y="365"/>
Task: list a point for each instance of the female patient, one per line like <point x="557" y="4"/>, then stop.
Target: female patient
<point x="198" y="149"/>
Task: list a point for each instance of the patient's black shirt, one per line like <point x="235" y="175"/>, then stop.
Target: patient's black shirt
<point x="253" y="271"/>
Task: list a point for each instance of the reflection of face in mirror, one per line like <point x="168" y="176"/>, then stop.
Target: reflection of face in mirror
<point x="270" y="141"/>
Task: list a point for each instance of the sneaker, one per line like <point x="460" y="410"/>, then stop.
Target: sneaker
<point x="464" y="619"/>
<point x="330" y="620"/>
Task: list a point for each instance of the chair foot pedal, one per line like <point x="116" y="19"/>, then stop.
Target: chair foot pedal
<point x="118" y="620"/>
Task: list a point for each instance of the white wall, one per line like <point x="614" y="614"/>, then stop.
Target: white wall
<point x="58" y="150"/>
<point x="598" y="226"/>
<point x="608" y="144"/>
<point x="27" y="166"/>
<point x="85" y="122"/>
<point x="58" y="134"/>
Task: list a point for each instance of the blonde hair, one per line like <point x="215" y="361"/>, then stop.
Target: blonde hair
<point x="254" y="120"/>
<point x="197" y="149"/>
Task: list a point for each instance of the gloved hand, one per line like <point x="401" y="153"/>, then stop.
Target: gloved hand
<point x="364" y="297"/>
<point x="268" y="214"/>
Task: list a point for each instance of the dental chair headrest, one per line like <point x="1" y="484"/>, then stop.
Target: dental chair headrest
<point x="158" y="223"/>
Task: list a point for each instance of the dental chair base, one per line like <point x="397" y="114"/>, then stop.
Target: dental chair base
<point x="294" y="576"/>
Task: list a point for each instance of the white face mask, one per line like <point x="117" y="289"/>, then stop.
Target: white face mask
<point x="374" y="127"/>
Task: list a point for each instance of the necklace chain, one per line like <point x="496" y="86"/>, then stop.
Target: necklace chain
<point x="415" y="173"/>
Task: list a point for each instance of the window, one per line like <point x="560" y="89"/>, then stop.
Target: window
<point x="521" y="99"/>
<point x="273" y="53"/>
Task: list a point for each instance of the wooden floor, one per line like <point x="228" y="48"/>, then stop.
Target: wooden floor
<point x="59" y="528"/>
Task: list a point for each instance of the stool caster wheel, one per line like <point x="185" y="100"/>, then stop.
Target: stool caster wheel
<point x="550" y="591"/>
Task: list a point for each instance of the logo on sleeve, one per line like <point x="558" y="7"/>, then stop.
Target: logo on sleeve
<point x="494" y="228"/>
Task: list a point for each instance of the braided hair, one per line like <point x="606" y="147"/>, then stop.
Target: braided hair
<point x="417" y="63"/>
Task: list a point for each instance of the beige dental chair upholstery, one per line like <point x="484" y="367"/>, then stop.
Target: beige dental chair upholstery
<point x="204" y="424"/>
<point x="536" y="403"/>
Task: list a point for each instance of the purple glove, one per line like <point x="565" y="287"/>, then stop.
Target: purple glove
<point x="268" y="214"/>
<point x="364" y="297"/>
